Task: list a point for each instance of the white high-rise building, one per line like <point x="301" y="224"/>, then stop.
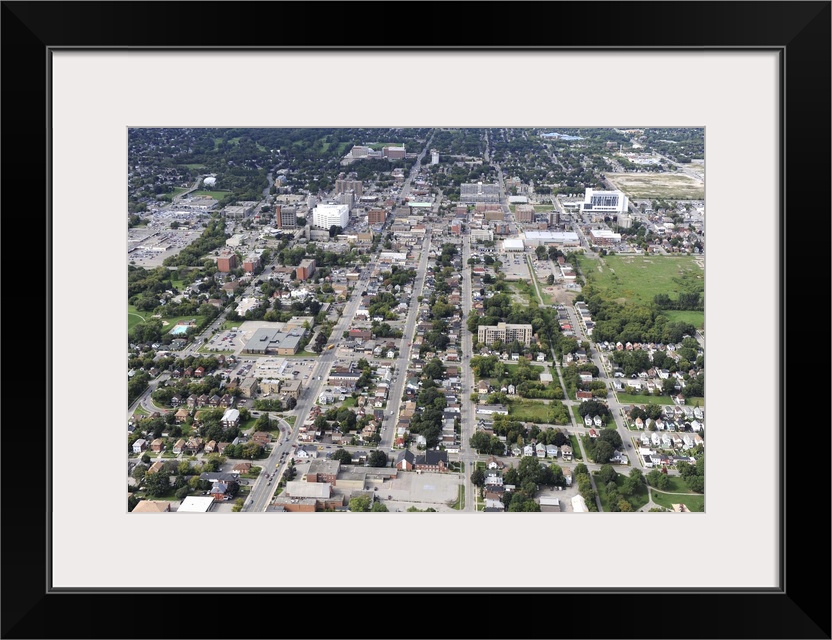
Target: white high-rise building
<point x="601" y="202"/>
<point x="325" y="216"/>
<point x="434" y="156"/>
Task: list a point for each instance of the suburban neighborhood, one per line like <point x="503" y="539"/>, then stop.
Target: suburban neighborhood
<point x="416" y="320"/>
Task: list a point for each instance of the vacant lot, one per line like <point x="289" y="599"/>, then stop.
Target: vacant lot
<point x="668" y="186"/>
<point x="640" y="278"/>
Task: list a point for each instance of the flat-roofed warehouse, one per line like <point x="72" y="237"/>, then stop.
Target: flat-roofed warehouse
<point x="275" y="340"/>
<point x="558" y="238"/>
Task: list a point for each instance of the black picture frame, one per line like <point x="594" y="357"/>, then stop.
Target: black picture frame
<point x="800" y="31"/>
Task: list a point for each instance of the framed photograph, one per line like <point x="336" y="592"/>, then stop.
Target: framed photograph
<point x="79" y="76"/>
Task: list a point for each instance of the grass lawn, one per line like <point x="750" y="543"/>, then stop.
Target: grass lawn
<point x="194" y="165"/>
<point x="576" y="448"/>
<point x="529" y="411"/>
<point x="232" y="324"/>
<point x="290" y="419"/>
<point x="349" y="402"/>
<point x="135" y="317"/>
<point x="205" y="348"/>
<point x="667" y="500"/>
<point x="216" y="195"/>
<point x="626" y="398"/>
<point x="696" y="318"/>
<point x="459" y="505"/>
<point x="578" y="417"/>
<point x="637" y="500"/>
<point x="512" y="368"/>
<point x="177" y="190"/>
<point x="640" y="278"/>
<point x="141" y="411"/>
<point x="248" y="424"/>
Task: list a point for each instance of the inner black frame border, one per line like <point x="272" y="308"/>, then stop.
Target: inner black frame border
<point x="799" y="31"/>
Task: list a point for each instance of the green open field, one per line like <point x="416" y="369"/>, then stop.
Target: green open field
<point x="529" y="411"/>
<point x="194" y="165"/>
<point x="135" y="317"/>
<point x="640" y="278"/>
<point x="177" y="190"/>
<point x="667" y="186"/>
<point x="667" y="500"/>
<point x="637" y="500"/>
<point x="216" y="195"/>
<point x="696" y="318"/>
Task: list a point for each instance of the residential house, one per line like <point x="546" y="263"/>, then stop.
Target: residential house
<point x="139" y="445"/>
<point x="179" y="447"/>
<point x="158" y="445"/>
<point x="540" y="450"/>
<point x="156" y="467"/>
<point x="182" y="415"/>
<point x="551" y="451"/>
<point x="597" y="421"/>
<point x="566" y="452"/>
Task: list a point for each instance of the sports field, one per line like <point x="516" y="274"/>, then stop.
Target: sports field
<point x="640" y="278"/>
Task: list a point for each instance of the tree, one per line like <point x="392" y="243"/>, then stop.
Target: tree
<point x="377" y="458"/>
<point x="139" y="472"/>
<point x="602" y="452"/>
<point x="157" y="484"/>
<point x="560" y="439"/>
<point x="478" y="477"/>
<point x="360" y="504"/>
<point x="343" y="456"/>
<point x="607" y="473"/>
<point x="550" y="279"/>
<point x="334" y="230"/>
<point x="580" y="469"/>
<point x="379" y="507"/>
<point x="145" y="458"/>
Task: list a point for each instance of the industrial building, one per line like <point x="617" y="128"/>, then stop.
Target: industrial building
<point x="559" y="238"/>
<point x="604" y="236"/>
<point x="513" y="244"/>
<point x="275" y="340"/>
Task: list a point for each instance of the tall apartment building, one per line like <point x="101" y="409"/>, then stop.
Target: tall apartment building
<point x="393" y="153"/>
<point x="488" y="334"/>
<point x="342" y="185"/>
<point x="285" y="217"/>
<point x="305" y="269"/>
<point x="376" y="216"/>
<point x="227" y="262"/>
<point x="479" y="192"/>
<point x="524" y="213"/>
<point x="251" y="263"/>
